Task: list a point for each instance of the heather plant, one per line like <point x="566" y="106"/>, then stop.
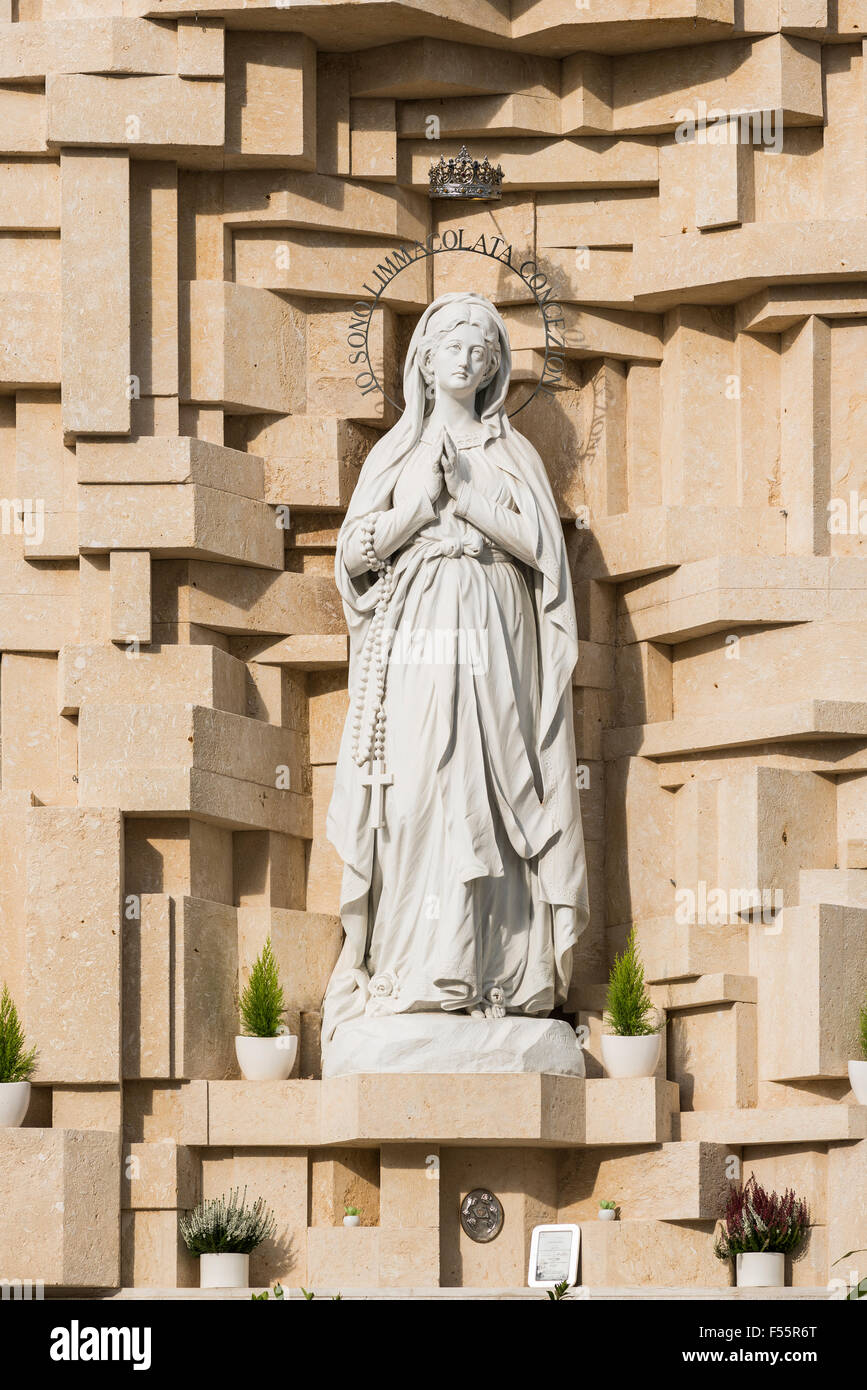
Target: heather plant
<point x="224" y="1225"/>
<point x="16" y="1063"/>
<point x="629" y="1011"/>
<point x="757" y="1221"/>
<point x="262" y="1004"/>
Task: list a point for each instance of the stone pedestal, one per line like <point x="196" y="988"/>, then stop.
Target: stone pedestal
<point x="444" y="1043"/>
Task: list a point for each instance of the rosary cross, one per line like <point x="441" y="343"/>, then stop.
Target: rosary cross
<point x="377" y="780"/>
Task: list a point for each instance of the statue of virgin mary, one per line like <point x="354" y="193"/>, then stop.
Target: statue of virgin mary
<point x="455" y="806"/>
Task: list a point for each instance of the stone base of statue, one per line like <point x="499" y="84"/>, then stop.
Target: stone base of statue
<point x="443" y="1043"/>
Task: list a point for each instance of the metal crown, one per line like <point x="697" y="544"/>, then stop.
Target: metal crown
<point x="464" y="177"/>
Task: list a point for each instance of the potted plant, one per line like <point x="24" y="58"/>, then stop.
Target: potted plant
<point x="631" y="1046"/>
<point x="16" y="1065"/>
<point x="759" y="1230"/>
<point x="607" y="1211"/>
<point x="858" y="1069"/>
<point x="222" y="1232"/>
<point x="352" y="1216"/>
<point x="266" y="1049"/>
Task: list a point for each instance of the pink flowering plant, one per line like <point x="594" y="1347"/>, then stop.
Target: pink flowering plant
<point x="758" y="1221"/>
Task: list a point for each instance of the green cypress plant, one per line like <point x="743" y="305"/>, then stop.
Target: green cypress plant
<point x="16" y="1064"/>
<point x="628" y="1007"/>
<point x="262" y="1005"/>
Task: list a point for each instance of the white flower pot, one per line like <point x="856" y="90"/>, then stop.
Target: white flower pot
<point x="352" y="1220"/>
<point x="763" y="1269"/>
<point x="266" y="1059"/>
<point x="14" y="1100"/>
<point x="630" y="1056"/>
<point x="607" y="1214"/>
<point x="229" y="1271"/>
<point x="858" y="1081"/>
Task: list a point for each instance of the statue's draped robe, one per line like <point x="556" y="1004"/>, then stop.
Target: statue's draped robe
<point x="476" y="881"/>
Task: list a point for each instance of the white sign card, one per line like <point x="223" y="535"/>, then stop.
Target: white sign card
<point x="554" y="1256"/>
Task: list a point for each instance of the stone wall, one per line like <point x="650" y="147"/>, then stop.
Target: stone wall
<point x="191" y="199"/>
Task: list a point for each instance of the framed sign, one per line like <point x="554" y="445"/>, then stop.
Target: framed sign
<point x="554" y="1256"/>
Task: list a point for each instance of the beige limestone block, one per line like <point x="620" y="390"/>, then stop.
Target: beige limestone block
<point x="342" y="1258"/>
<point x="170" y="460"/>
<point x="162" y="116"/>
<point x="632" y="1111"/>
<point x="525" y="1182"/>
<point x="329" y="706"/>
<point x="73" y="45"/>
<point x="103" y="673"/>
<point x="332" y="113"/>
<point x="13" y="866"/>
<point x="86" y="1107"/>
<point x="246" y="348"/>
<point x="30" y="258"/>
<point x="310" y="1047"/>
<point x="340" y="1178"/>
<point x="181" y="519"/>
<point x="46" y="478"/>
<point x="819" y="952"/>
<point x="432" y="67"/>
<point x="325" y="868"/>
<point x="23" y="117"/>
<point x="490" y="1109"/>
<point x="270" y="98"/>
<point x="205" y="955"/>
<point x="306" y="945"/>
<point x="175" y="1111"/>
<point x="153" y="1253"/>
<point x="292" y="198"/>
<point x="409" y="1187"/>
<point x="263" y="1113"/>
<point x="607" y="217"/>
<point x="159" y="1177"/>
<point x="241" y="600"/>
<point x="712" y="1055"/>
<point x="510" y="222"/>
<point x="653" y="91"/>
<point x="74" y="862"/>
<point x="30" y="346"/>
<point x="34" y="744"/>
<point x="788" y="1123"/>
<point x="409" y="1258"/>
<point x="327" y="265"/>
<point x="804" y="443"/>
<point x="672" y="1182"/>
<point x="96" y="293"/>
<point x="518" y="113"/>
<point x="373" y="139"/>
<point x="338" y="376"/>
<point x="309" y="460"/>
<point x="154" y="277"/>
<point x="130" y="596"/>
<point x="282" y="1179"/>
<point x="643" y="1253"/>
<point x="147" y="984"/>
<point x="265" y="872"/>
<point x="844" y="192"/>
<point x="586" y="93"/>
<point x="59" y="1213"/>
<point x="173" y="759"/>
<point x="589" y="162"/>
<point x="845" y="1211"/>
<point x="30" y="195"/>
<point x="201" y="48"/>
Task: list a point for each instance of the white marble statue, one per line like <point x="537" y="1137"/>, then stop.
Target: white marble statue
<point x="455" y="806"/>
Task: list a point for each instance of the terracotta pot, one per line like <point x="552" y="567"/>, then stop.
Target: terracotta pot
<point x="266" y="1059"/>
<point x="630" y="1056"/>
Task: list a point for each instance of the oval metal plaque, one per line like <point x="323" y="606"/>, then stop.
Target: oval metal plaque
<point x="482" y="1215"/>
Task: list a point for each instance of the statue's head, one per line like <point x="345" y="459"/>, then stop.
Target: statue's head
<point x="460" y="350"/>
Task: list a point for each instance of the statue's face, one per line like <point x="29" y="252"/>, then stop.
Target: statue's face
<point x="459" y="362"/>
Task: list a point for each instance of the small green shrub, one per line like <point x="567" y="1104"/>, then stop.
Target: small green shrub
<point x="262" y="1005"/>
<point x="608" y="1206"/>
<point x="224" y="1225"/>
<point x="352" y="1211"/>
<point x="16" y="1064"/>
<point x="628" y="1007"/>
